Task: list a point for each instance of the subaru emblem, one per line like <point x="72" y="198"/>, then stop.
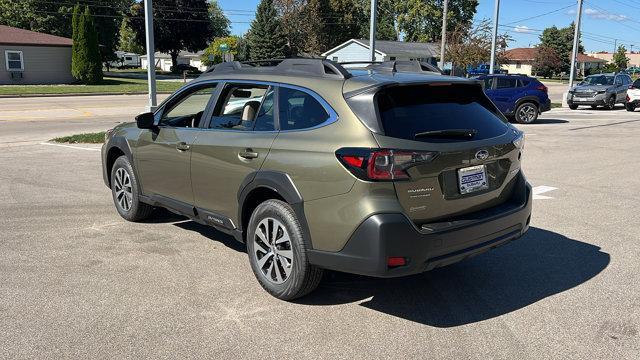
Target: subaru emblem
<point x="482" y="155"/>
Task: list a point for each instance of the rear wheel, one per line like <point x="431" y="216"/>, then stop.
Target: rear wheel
<point x="630" y="106"/>
<point x="526" y="113"/>
<point x="126" y="193"/>
<point x="573" y="106"/>
<point x="277" y="252"/>
<point x="610" y="103"/>
<point x="594" y="107"/>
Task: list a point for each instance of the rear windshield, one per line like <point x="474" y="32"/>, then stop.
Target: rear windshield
<point x="408" y="110"/>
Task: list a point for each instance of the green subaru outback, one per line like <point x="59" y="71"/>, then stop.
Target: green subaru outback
<point x="381" y="169"/>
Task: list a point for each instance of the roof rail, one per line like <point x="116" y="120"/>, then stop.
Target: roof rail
<point x="295" y="66"/>
<point x="413" y="66"/>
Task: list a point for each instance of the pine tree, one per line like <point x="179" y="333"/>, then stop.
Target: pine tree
<point x="128" y="41"/>
<point x="75" y="49"/>
<point x="267" y="40"/>
<point x="86" y="65"/>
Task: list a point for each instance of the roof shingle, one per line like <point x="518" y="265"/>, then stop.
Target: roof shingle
<point x="15" y="36"/>
<point x="529" y="54"/>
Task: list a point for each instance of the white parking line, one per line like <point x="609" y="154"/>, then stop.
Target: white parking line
<point x="71" y="146"/>
<point x="538" y="190"/>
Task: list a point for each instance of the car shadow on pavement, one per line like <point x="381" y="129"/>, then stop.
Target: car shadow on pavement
<point x="213" y="234"/>
<point x="548" y="121"/>
<point x="540" y="264"/>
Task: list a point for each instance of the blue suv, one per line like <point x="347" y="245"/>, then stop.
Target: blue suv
<point x="518" y="96"/>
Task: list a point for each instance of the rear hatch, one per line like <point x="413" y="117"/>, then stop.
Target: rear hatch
<point x="449" y="149"/>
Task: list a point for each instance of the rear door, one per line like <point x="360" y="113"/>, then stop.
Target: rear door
<point x="234" y="144"/>
<point x="444" y="186"/>
<point x="504" y="92"/>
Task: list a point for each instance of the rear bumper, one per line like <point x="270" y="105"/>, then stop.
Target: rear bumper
<point x="546" y="106"/>
<point x="394" y="235"/>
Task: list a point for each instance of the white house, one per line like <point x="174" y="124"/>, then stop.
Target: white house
<point x="163" y="60"/>
<point x="358" y="50"/>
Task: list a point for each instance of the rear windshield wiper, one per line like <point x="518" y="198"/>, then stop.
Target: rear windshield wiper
<point x="450" y="133"/>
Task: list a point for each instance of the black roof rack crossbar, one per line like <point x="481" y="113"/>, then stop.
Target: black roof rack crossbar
<point x="295" y="66"/>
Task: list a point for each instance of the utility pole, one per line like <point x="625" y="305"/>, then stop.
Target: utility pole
<point x="444" y="33"/>
<point x="372" y="29"/>
<point x="494" y="39"/>
<point x="615" y="46"/>
<point x="576" y="42"/>
<point x="151" y="61"/>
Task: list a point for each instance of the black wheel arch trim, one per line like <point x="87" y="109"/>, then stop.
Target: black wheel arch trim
<point x="119" y="142"/>
<point x="283" y="185"/>
<point x="529" y="98"/>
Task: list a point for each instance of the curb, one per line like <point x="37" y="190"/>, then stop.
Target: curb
<point x="76" y="94"/>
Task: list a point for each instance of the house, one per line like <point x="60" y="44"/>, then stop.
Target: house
<point x="634" y="57"/>
<point x="30" y="57"/>
<point x="520" y="61"/>
<point x="358" y="50"/>
<point x="128" y="59"/>
<point x="163" y="60"/>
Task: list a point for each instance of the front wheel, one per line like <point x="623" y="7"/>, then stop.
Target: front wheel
<point x="526" y="113"/>
<point x="630" y="106"/>
<point x="126" y="193"/>
<point x="573" y="107"/>
<point x="277" y="252"/>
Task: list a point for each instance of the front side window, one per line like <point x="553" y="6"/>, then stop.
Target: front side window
<point x="14" y="60"/>
<point x="239" y="107"/>
<point x="188" y="109"/>
<point x="299" y="110"/>
<point x="488" y="82"/>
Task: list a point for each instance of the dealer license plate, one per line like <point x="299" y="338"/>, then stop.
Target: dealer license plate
<point x="472" y="179"/>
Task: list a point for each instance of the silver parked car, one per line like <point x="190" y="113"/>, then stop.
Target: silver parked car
<point x="600" y="90"/>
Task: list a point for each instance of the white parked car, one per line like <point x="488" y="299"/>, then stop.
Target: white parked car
<point x="633" y="96"/>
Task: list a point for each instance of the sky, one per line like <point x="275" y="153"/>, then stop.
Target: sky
<point x="603" y="21"/>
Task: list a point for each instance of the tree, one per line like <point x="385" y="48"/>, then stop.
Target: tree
<point x="213" y="50"/>
<point x="421" y="20"/>
<point x="243" y="49"/>
<point x="266" y="38"/>
<point x="174" y="28"/>
<point x="127" y="38"/>
<point x="219" y="22"/>
<point x="620" y="58"/>
<point x="471" y="45"/>
<point x="547" y="61"/>
<point x="561" y="41"/>
<point x="86" y="63"/>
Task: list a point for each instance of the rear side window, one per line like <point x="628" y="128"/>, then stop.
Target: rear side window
<point x="408" y="110"/>
<point x="505" y="82"/>
<point x="238" y="107"/>
<point x="299" y="110"/>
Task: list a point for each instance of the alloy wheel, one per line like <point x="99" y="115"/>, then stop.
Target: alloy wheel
<point x="527" y="113"/>
<point x="123" y="189"/>
<point x="272" y="250"/>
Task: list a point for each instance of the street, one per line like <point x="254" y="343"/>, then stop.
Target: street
<point x="77" y="281"/>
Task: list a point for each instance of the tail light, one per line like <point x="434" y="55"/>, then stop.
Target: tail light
<point x="381" y="164"/>
<point x="631" y="87"/>
<point x="628" y="98"/>
<point x="542" y="88"/>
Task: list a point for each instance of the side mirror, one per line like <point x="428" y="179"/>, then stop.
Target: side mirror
<point x="145" y="120"/>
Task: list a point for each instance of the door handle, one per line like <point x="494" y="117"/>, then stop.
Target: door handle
<point x="248" y="154"/>
<point x="182" y="146"/>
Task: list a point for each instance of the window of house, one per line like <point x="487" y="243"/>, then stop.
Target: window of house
<point x="128" y="58"/>
<point x="14" y="60"/>
<point x="299" y="110"/>
<point x="518" y="65"/>
<point x="240" y="107"/>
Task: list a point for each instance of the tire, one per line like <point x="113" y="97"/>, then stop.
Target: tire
<point x="573" y="107"/>
<point x="126" y="192"/>
<point x="594" y="107"/>
<point x="610" y="103"/>
<point x="630" y="107"/>
<point x="302" y="277"/>
<point x="526" y="113"/>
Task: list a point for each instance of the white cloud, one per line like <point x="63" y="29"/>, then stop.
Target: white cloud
<point x="523" y="29"/>
<point x="597" y="14"/>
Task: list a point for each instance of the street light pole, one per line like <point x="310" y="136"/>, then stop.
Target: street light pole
<point x="494" y="39"/>
<point x="576" y="42"/>
<point x="151" y="61"/>
<point x="372" y="30"/>
<point x="444" y="32"/>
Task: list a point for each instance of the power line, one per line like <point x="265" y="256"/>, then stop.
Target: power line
<point x="541" y="15"/>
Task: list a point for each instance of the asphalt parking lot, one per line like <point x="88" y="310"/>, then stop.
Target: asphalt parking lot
<point x="77" y="281"/>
